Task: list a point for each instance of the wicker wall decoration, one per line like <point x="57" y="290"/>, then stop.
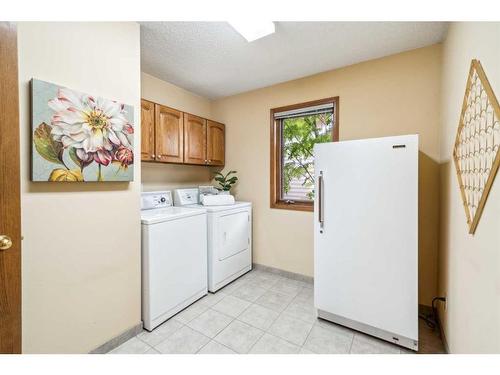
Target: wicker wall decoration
<point x="476" y="152"/>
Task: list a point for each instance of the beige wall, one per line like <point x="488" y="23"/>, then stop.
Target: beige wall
<point x="469" y="264"/>
<point x="157" y="176"/>
<point x="81" y="248"/>
<point x="394" y="95"/>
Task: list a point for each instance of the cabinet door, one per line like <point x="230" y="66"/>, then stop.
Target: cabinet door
<point x="215" y="143"/>
<point x="147" y="130"/>
<point x="169" y="127"/>
<point x="195" y="139"/>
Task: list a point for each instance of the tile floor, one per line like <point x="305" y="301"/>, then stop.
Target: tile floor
<point x="261" y="312"/>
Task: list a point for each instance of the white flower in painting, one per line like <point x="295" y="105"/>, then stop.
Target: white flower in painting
<point x="93" y="126"/>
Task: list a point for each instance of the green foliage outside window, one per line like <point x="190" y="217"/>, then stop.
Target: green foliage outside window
<point x="300" y="134"/>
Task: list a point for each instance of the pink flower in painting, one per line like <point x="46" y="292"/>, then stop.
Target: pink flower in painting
<point x="94" y="127"/>
<point x="103" y="157"/>
<point x="84" y="157"/>
<point x="125" y="156"/>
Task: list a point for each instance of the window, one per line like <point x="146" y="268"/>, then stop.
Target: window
<point x="295" y="129"/>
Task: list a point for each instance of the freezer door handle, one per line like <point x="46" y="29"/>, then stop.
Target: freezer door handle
<point x="321" y="218"/>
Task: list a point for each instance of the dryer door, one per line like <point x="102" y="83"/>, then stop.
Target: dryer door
<point x="233" y="233"/>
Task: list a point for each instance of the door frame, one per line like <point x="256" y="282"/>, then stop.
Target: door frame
<point x="10" y="201"/>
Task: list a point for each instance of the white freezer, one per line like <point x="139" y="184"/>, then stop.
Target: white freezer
<point x="366" y="236"/>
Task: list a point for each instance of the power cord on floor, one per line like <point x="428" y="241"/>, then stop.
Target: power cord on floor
<point x="428" y="319"/>
<point x="431" y="319"/>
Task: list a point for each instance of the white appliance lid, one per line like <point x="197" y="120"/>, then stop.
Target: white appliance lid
<point x="161" y="215"/>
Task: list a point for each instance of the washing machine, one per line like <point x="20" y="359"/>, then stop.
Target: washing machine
<point x="174" y="257"/>
<point x="229" y="237"/>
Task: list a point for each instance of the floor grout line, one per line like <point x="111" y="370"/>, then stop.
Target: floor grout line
<point x="225" y="346"/>
<point x="307" y="337"/>
<point x="166" y="338"/>
<point x="352" y="342"/>
<point x="256" y="341"/>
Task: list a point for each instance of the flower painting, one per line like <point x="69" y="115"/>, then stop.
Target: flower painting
<point x="79" y="137"/>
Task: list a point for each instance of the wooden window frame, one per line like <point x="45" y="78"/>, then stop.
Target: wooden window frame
<point x="276" y="158"/>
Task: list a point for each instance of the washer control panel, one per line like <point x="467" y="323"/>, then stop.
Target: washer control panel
<point x="156" y="199"/>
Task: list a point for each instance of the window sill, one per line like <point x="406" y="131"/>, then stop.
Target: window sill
<point x="307" y="207"/>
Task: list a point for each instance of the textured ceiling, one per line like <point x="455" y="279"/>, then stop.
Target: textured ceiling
<point x="213" y="60"/>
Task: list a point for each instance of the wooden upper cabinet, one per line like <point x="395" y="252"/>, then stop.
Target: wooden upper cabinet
<point x="169" y="128"/>
<point x="147" y="130"/>
<point x="172" y="136"/>
<point x="195" y="139"/>
<point x="215" y="143"/>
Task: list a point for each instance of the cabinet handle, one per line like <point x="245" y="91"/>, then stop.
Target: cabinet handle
<point x="209" y="161"/>
<point x="152" y="156"/>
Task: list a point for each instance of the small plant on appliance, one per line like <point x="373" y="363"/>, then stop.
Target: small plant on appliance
<point x="225" y="181"/>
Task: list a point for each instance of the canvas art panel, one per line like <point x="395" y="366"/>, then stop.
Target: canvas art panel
<point x="78" y="137"/>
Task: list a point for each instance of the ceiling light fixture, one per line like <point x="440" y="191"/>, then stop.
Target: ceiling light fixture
<point x="253" y="30"/>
